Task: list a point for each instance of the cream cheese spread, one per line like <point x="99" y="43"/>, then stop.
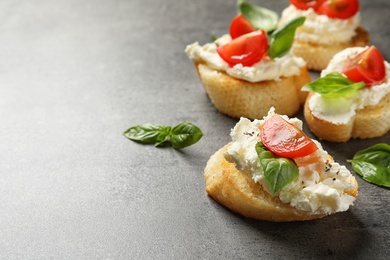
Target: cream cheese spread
<point x="319" y="190"/>
<point x="320" y="29"/>
<point x="341" y="111"/>
<point x="266" y="69"/>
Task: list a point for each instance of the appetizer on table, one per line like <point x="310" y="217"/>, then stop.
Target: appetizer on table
<point x="272" y="171"/>
<point x="351" y="99"/>
<point x="330" y="27"/>
<point x="251" y="69"/>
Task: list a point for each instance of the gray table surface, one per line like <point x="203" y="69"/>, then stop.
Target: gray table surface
<point x="74" y="75"/>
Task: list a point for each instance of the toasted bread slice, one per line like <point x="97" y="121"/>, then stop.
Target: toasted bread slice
<point x="239" y="98"/>
<point x="317" y="56"/>
<point x="369" y="122"/>
<point x="237" y="191"/>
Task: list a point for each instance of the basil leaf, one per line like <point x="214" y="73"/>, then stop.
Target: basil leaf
<point x="213" y="37"/>
<point x="373" y="164"/>
<point x="282" y="39"/>
<point x="185" y="134"/>
<point x="259" y="17"/>
<point x="180" y="136"/>
<point x="148" y="133"/>
<point x="278" y="171"/>
<point x="334" y="85"/>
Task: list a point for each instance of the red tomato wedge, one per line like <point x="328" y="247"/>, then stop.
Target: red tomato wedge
<point x="239" y="26"/>
<point x="306" y="4"/>
<point x="284" y="139"/>
<point x="341" y="9"/>
<point x="368" y="66"/>
<point x="247" y="49"/>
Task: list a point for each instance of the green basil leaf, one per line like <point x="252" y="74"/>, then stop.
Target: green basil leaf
<point x="334" y="85"/>
<point x="180" y="136"/>
<point x="373" y="164"/>
<point x="213" y="37"/>
<point x="185" y="134"/>
<point x="259" y="17"/>
<point x="148" y="133"/>
<point x="278" y="171"/>
<point x="282" y="39"/>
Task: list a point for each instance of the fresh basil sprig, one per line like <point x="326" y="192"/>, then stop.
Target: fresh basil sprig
<point x="259" y="17"/>
<point x="282" y="39"/>
<point x="278" y="171"/>
<point x="180" y="136"/>
<point x="373" y="164"/>
<point x="334" y="85"/>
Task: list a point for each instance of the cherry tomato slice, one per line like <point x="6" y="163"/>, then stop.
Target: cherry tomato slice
<point x="341" y="9"/>
<point x="284" y="139"/>
<point x="368" y="66"/>
<point x="306" y="4"/>
<point x="247" y="49"/>
<point x="239" y="26"/>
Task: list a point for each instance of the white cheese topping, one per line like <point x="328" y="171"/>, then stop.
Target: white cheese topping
<point x="341" y="111"/>
<point x="266" y="69"/>
<point x="320" y="29"/>
<point x="320" y="188"/>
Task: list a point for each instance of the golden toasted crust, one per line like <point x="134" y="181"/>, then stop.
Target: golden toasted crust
<point x="369" y="122"/>
<point x="318" y="56"/>
<point x="239" y="98"/>
<point x="237" y="191"/>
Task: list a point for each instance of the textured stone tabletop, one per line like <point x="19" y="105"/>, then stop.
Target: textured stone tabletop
<point x="74" y="75"/>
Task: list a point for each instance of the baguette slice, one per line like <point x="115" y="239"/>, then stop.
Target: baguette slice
<point x="237" y="191"/>
<point x="369" y="122"/>
<point x="239" y="98"/>
<point x="318" y="56"/>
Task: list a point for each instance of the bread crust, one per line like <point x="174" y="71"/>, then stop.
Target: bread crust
<point x="237" y="191"/>
<point x="317" y="56"/>
<point x="369" y="122"/>
<point x="239" y="98"/>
